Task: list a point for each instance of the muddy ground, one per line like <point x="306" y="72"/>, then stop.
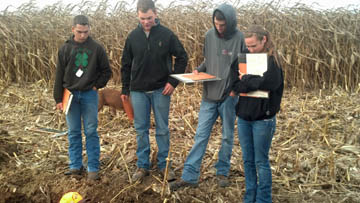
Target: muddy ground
<point x="315" y="155"/>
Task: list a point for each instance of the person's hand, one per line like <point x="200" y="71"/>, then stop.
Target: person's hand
<point x="168" y="90"/>
<point x="241" y="74"/>
<point x="195" y="72"/>
<point x="232" y="94"/>
<point x="94" y="88"/>
<point x="59" y="106"/>
<point x="124" y="97"/>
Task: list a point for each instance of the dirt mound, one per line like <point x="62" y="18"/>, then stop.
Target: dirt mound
<point x="7" y="146"/>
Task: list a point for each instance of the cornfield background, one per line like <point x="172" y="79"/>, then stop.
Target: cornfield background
<point x="320" y="49"/>
<point x="315" y="153"/>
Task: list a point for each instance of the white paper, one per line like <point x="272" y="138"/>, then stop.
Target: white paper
<point x="256" y="64"/>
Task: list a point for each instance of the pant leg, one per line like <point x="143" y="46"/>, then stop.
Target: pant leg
<point x="89" y="105"/>
<point x="263" y="132"/>
<point x="73" y="119"/>
<point x="141" y="103"/>
<point x="161" y="105"/>
<point x="245" y="134"/>
<point x="207" y="117"/>
<point x="227" y="113"/>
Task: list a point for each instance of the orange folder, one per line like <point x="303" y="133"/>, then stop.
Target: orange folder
<point x="128" y="109"/>
<point x="243" y="69"/>
<point x="200" y="76"/>
<point x="66" y="100"/>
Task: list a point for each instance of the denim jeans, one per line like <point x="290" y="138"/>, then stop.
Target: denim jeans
<point x="83" y="109"/>
<point x="142" y="103"/>
<point x="255" y="139"/>
<point x="209" y="112"/>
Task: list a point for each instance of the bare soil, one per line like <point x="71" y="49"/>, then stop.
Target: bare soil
<point x="315" y="154"/>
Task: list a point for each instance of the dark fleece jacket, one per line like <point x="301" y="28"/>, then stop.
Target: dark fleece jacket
<point x="89" y="57"/>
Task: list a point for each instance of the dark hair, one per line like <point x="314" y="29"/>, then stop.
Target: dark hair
<point x="259" y="32"/>
<point x="219" y="15"/>
<point x="81" y="20"/>
<point x="145" y="5"/>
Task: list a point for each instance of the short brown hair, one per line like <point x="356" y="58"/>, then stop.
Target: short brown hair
<point x="219" y="15"/>
<point x="81" y="20"/>
<point x="145" y="5"/>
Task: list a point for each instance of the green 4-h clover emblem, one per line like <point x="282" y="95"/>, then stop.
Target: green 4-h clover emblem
<point x="81" y="60"/>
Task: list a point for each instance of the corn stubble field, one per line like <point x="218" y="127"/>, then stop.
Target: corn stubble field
<point x="315" y="155"/>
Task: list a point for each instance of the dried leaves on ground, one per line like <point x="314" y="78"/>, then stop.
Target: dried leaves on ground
<point x="315" y="154"/>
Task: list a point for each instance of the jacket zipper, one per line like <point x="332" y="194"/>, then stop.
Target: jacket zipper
<point x="148" y="41"/>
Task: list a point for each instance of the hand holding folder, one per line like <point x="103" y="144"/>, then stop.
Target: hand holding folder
<point x="255" y="64"/>
<point x="66" y="100"/>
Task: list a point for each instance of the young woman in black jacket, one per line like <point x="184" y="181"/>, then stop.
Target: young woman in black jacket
<point x="257" y="116"/>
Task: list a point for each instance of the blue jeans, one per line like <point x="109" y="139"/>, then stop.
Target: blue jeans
<point x="83" y="108"/>
<point x="209" y="112"/>
<point x="142" y="103"/>
<point x="255" y="139"/>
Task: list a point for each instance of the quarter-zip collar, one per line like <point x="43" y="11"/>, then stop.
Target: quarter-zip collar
<point x="157" y="23"/>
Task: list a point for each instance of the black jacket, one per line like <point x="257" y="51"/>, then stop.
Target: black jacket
<point x="147" y="61"/>
<point x="251" y="109"/>
<point x="90" y="57"/>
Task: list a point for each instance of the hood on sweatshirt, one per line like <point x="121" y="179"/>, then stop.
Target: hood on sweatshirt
<point x="229" y="13"/>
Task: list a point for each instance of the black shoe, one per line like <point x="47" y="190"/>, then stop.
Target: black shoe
<point x="223" y="181"/>
<point x="175" y="185"/>
<point x="139" y="174"/>
<point x="171" y="174"/>
<point x="93" y="176"/>
<point x="75" y="171"/>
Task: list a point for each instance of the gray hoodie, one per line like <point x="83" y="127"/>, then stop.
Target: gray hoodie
<point x="219" y="54"/>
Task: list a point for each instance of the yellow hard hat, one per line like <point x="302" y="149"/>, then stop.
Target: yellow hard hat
<point x="71" y="197"/>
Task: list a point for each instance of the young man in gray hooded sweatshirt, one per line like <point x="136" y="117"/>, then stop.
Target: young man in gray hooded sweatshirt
<point x="223" y="43"/>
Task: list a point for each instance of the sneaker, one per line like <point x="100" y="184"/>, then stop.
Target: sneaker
<point x="74" y="171"/>
<point x="171" y="174"/>
<point x="175" y="185"/>
<point x="93" y="176"/>
<point x="223" y="181"/>
<point x="140" y="174"/>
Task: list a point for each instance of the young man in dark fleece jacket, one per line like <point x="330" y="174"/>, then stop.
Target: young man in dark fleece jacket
<point x="83" y="67"/>
<point x="146" y="69"/>
<point x="223" y="43"/>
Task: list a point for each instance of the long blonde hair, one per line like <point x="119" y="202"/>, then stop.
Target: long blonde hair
<point x="259" y="32"/>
